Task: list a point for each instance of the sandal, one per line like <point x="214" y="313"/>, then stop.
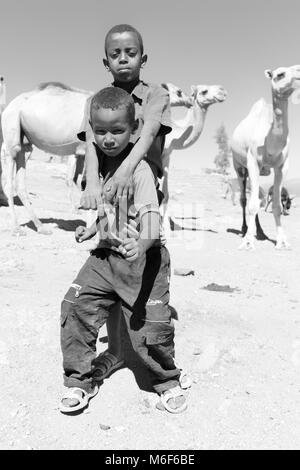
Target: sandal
<point x="82" y="397"/>
<point x="171" y="395"/>
<point x="105" y="364"/>
<point x="184" y="380"/>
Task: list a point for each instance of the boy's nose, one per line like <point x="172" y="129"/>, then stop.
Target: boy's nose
<point x="123" y="57"/>
<point x="108" y="142"/>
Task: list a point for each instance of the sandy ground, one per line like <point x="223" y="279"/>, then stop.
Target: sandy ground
<point x="242" y="348"/>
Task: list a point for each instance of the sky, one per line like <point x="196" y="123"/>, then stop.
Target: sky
<point x="226" y="42"/>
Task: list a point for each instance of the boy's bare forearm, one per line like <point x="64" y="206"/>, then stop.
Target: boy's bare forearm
<point x="148" y="134"/>
<point x="149" y="232"/>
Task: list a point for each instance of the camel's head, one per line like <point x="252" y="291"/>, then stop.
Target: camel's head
<point x="2" y="93"/>
<point x="284" y="79"/>
<point x="177" y="96"/>
<point x="205" y="95"/>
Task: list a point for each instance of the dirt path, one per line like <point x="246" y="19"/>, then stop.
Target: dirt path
<point x="242" y="348"/>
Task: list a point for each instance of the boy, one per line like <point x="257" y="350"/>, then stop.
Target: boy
<point x="126" y="268"/>
<point x="124" y="59"/>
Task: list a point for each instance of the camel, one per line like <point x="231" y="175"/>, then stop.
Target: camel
<point x="260" y="142"/>
<point x="48" y="117"/>
<point x="3" y="198"/>
<point x="187" y="131"/>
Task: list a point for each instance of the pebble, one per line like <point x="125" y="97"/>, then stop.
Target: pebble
<point x="104" y="427"/>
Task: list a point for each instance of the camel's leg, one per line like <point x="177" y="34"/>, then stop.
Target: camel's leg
<point x="3" y="198"/>
<point x="253" y="206"/>
<point x="227" y="188"/>
<point x="281" y="240"/>
<point x="71" y="167"/>
<point x="268" y="203"/>
<point x="260" y="235"/>
<point x="8" y="167"/>
<point x="22" y="191"/>
<point x="242" y="180"/>
<point x="233" y="194"/>
<point x="165" y="189"/>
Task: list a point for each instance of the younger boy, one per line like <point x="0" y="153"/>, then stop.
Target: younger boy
<point x="124" y="59"/>
<point x="133" y="270"/>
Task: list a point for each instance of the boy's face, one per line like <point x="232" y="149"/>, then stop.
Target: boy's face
<point x="111" y="129"/>
<point x="124" y="59"/>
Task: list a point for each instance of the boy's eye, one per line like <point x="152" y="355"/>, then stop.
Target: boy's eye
<point x="100" y="132"/>
<point x="118" y="131"/>
<point x="114" y="54"/>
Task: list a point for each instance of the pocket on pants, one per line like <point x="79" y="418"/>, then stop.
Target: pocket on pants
<point x="69" y="301"/>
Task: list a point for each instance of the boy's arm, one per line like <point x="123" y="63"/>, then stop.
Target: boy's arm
<point x="91" y="196"/>
<point x="133" y="248"/>
<point x="154" y="117"/>
<point x="149" y="232"/>
<point x="122" y="179"/>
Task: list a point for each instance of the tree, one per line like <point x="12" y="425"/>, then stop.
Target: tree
<point x="222" y="159"/>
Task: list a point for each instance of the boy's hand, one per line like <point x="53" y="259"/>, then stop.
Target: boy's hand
<point x="91" y="196"/>
<point x="82" y="234"/>
<point x="121" y="184"/>
<point x="131" y="249"/>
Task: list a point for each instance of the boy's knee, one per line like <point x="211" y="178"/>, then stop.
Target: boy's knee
<point x="159" y="333"/>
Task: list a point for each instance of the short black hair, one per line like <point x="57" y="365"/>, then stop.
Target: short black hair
<point x="114" y="98"/>
<point x="124" y="28"/>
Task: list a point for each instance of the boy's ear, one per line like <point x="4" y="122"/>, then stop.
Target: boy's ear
<point x="106" y="64"/>
<point x="144" y="60"/>
<point x="135" y="126"/>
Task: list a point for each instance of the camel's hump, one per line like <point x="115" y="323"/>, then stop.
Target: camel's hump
<point x="61" y="86"/>
<point x="260" y="107"/>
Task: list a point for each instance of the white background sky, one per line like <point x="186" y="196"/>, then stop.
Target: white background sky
<point x="227" y="42"/>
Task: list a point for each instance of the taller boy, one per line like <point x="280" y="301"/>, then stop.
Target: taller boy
<point x="125" y="57"/>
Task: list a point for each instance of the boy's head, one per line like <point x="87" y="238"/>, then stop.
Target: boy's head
<point x="112" y="119"/>
<point x="124" y="52"/>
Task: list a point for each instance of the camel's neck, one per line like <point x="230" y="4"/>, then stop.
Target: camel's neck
<point x="277" y="137"/>
<point x="188" y="130"/>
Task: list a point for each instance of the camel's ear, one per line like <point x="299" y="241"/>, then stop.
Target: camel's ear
<point x="193" y="91"/>
<point x="165" y="86"/>
<point x="269" y="74"/>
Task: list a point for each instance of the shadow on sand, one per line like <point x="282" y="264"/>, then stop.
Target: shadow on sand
<point x="63" y="224"/>
<point x="259" y="238"/>
<point x="176" y="227"/>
